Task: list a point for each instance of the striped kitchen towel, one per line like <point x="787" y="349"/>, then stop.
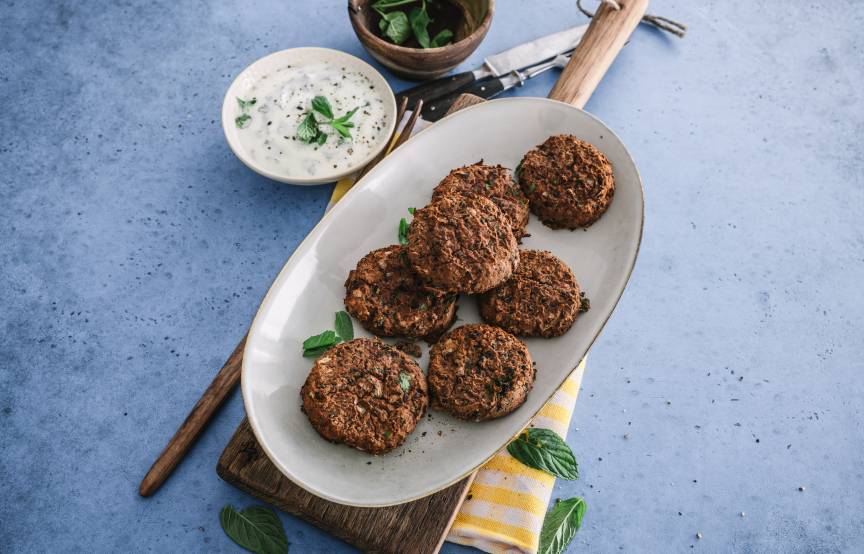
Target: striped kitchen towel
<point x="506" y="504"/>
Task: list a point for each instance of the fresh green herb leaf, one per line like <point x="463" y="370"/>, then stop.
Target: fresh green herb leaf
<point x="419" y="20"/>
<point x="443" y="38"/>
<point x="255" y="528"/>
<point x="321" y="105"/>
<point x="242" y="121"/>
<point x="344" y="326"/>
<point x="315" y="345"/>
<point x="411" y="210"/>
<point x="381" y="5"/>
<point x="341" y="125"/>
<point x="394" y="26"/>
<point x="404" y="380"/>
<point x="403" y="231"/>
<point x="246" y="104"/>
<point x="308" y="130"/>
<point x="544" y="450"/>
<point x="315" y="352"/>
<point x="321" y="138"/>
<point x="560" y="525"/>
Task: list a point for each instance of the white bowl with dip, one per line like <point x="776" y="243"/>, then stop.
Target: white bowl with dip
<point x="264" y="134"/>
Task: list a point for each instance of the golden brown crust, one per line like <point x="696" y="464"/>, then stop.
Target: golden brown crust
<point x="568" y="182"/>
<point x="388" y="298"/>
<point x="462" y="243"/>
<point x="479" y="372"/>
<point x="495" y="183"/>
<point x="542" y="298"/>
<point x="355" y="395"/>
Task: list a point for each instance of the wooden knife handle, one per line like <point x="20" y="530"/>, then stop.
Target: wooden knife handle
<point x="218" y="391"/>
<point x="609" y="30"/>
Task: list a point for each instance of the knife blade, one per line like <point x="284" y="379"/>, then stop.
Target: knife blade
<point x="531" y="53"/>
<point x="518" y="57"/>
<point x="489" y="88"/>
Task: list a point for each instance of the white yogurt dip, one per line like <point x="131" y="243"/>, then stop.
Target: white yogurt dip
<point x="268" y="128"/>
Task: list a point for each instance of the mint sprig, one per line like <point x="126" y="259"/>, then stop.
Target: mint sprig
<point x="309" y="130"/>
<point x="544" y="450"/>
<point x="316" y="345"/>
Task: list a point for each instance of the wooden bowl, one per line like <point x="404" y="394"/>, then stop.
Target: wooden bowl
<point x="419" y="63"/>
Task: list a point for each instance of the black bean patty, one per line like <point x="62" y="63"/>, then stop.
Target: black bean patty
<point x="365" y="394"/>
<point x="540" y="299"/>
<point x="462" y="243"/>
<point x="388" y="298"/>
<point x="495" y="183"/>
<point x="479" y="372"/>
<point x="568" y="182"/>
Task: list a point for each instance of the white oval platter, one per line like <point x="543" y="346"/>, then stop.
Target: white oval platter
<point x="310" y="289"/>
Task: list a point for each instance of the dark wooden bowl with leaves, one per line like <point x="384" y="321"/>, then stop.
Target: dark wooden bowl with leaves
<point x="421" y="39"/>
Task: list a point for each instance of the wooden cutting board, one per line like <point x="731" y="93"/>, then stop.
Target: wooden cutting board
<point x="420" y="526"/>
<point x="416" y="527"/>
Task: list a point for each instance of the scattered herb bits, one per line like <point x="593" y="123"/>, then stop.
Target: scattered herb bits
<point x="544" y="450"/>
<point x="560" y="525"/>
<point x="255" y="528"/>
<point x="242" y="121"/>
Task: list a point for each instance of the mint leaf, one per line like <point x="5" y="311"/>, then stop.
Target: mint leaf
<point x="394" y="26"/>
<point x="321" y="105"/>
<point x="403" y="231"/>
<point x="442" y="39"/>
<point x="321" y="138"/>
<point x="412" y="210"/>
<point x="420" y="20"/>
<point x="404" y="380"/>
<point x="344" y="326"/>
<point x="544" y="450"/>
<point x="308" y="129"/>
<point x="246" y="104"/>
<point x="256" y="528"/>
<point x="341" y="125"/>
<point x="242" y="121"/>
<point x="317" y="344"/>
<point x="560" y="525"/>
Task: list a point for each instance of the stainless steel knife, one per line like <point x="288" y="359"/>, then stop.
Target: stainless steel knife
<point x="516" y="58"/>
<point x="489" y="88"/>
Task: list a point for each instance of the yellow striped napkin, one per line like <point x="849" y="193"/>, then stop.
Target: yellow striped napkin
<point x="505" y="507"/>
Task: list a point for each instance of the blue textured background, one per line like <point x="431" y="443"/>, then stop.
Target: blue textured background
<point x="134" y="249"/>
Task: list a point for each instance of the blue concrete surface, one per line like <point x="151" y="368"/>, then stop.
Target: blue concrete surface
<point x="134" y="249"/>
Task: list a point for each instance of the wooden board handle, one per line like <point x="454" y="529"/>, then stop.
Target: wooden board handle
<point x="609" y="30"/>
<point x="185" y="437"/>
